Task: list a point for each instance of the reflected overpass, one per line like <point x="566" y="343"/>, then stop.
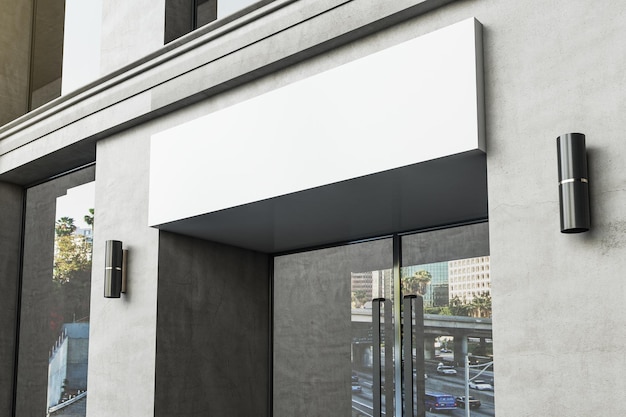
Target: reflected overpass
<point x="439" y="325"/>
<point x="435" y="325"/>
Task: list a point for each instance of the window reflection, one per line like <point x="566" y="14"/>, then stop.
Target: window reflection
<point x="457" y="296"/>
<point x="184" y="16"/>
<point x="47" y="52"/>
<point x="69" y="312"/>
<point x="454" y="288"/>
<point x="366" y="286"/>
<point x="55" y="297"/>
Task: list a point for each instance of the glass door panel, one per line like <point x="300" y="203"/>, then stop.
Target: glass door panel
<point x="55" y="297"/>
<point x="359" y="326"/>
<point x="323" y="332"/>
<point x="449" y="270"/>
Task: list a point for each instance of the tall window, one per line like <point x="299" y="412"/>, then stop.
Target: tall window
<point x="184" y="16"/>
<point x="47" y="52"/>
<point x="55" y="297"/>
<point x="65" y="52"/>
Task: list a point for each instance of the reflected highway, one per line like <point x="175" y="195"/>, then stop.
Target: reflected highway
<point x="449" y="384"/>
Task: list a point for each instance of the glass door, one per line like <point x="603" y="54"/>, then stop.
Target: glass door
<point x="358" y="327"/>
<point x="323" y="355"/>
<point x="448" y="271"/>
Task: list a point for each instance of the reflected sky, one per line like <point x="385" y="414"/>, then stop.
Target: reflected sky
<point x="76" y="204"/>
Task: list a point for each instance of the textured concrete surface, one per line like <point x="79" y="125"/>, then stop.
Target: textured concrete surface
<point x="15" y="21"/>
<point x="212" y="330"/>
<point x="123" y="331"/>
<point x="10" y="237"/>
<point x="553" y="68"/>
<point x="130" y="31"/>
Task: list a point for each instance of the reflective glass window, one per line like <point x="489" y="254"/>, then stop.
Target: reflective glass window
<point x="55" y="297"/>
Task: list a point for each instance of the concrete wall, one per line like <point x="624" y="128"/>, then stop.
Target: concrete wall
<point x="15" y="38"/>
<point x="550" y="68"/>
<point x="130" y="31"/>
<point x="10" y="235"/>
<point x="553" y="68"/>
<point x="123" y="331"/>
<point x="213" y="330"/>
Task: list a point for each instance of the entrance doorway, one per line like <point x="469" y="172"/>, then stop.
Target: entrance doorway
<point x="342" y="338"/>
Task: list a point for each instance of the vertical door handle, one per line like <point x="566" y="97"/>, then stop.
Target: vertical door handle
<point x="413" y="325"/>
<point x="376" y="339"/>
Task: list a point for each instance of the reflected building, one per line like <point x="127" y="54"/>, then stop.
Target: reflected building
<point x="469" y="278"/>
<point x="436" y="294"/>
<point x="67" y="371"/>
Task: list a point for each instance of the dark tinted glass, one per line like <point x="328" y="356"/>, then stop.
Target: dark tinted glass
<point x="55" y="297"/>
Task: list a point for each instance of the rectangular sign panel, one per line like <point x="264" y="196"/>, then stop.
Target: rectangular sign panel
<point x="423" y="97"/>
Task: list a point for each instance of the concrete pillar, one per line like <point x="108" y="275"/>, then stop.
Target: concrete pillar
<point x="460" y="340"/>
<point x="122" y="348"/>
<point x="10" y="242"/>
<point x="429" y="346"/>
<point x="212" y="330"/>
<point x="15" y="38"/>
<point x="482" y="349"/>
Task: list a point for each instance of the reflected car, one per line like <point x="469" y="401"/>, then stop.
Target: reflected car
<point x="355" y="377"/>
<point x="356" y="387"/>
<point x="480" y="385"/>
<point x="473" y="402"/>
<point x="438" y="401"/>
<point x="446" y="369"/>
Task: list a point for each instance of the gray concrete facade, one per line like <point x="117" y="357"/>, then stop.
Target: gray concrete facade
<point x="213" y="335"/>
<point x="130" y="32"/>
<point x="15" y="39"/>
<point x="11" y="205"/>
<point x="122" y="337"/>
<point x="549" y="68"/>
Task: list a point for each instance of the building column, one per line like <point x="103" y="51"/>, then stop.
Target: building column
<point x="15" y="36"/>
<point x="122" y="340"/>
<point x="10" y="246"/>
<point x="429" y="346"/>
<point x="461" y="340"/>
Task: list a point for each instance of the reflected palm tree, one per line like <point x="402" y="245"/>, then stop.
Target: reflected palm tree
<point x="416" y="283"/>
<point x="481" y="305"/>
<point x="65" y="226"/>
<point x="89" y="218"/>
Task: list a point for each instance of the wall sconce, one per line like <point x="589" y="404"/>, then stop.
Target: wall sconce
<point x="114" y="269"/>
<point x="573" y="183"/>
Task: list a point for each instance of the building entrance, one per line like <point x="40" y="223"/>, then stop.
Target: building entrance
<point x="359" y="326"/>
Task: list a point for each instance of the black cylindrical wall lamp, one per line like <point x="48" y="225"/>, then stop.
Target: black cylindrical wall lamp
<point x="114" y="269"/>
<point x="573" y="183"/>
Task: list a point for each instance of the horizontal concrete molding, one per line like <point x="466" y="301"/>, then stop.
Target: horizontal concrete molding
<point x="106" y="94"/>
<point x="161" y="75"/>
<point x="410" y="103"/>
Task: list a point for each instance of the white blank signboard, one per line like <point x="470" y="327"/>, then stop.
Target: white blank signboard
<point x="410" y="103"/>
